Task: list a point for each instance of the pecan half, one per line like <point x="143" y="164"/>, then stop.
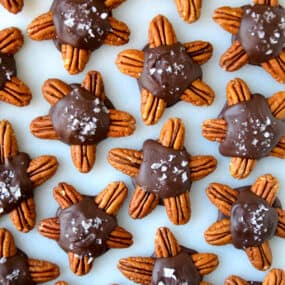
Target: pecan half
<point x="16" y="92"/>
<point x="42" y="271"/>
<point x="74" y="59"/>
<point x="214" y="130"/>
<point x="24" y="216"/>
<point x="260" y="256"/>
<point x="119" y="34"/>
<point x="275" y="276"/>
<point x="266" y="187"/>
<point x="66" y="195"/>
<point x="189" y="10"/>
<point x="229" y="18"/>
<point x="281" y="223"/>
<point x="201" y="166"/>
<point x="119" y="238"/>
<point x="199" y="51"/>
<point x="166" y="244"/>
<point x="11" y="40"/>
<point x="42" y="28"/>
<point x="131" y="62"/>
<point x="234" y="58"/>
<point x="205" y="262"/>
<point x="161" y="32"/>
<point x="237" y="91"/>
<point x="275" y="67"/>
<point x="54" y="90"/>
<point x="137" y="269"/>
<point x="126" y="160"/>
<point x="7" y="244"/>
<point x="112" y="197"/>
<point x="219" y="233"/>
<point x="8" y="141"/>
<point x="50" y="228"/>
<point x="121" y="123"/>
<point x="79" y="266"/>
<point x="83" y="157"/>
<point x="13" y="6"/>
<point x="42" y="168"/>
<point x="41" y="127"/>
<point x="222" y="196"/>
<point x="241" y="167"/>
<point x="277" y="105"/>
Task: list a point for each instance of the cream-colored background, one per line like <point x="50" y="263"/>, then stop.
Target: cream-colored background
<point x="38" y="61"/>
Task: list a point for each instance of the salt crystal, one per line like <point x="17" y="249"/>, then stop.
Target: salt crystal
<point x="169" y="273"/>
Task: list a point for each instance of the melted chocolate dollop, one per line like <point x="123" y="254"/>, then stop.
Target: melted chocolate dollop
<point x="168" y="71"/>
<point x="81" y="23"/>
<point x="84" y="228"/>
<point x="262" y="32"/>
<point x="176" y="270"/>
<point x="80" y="118"/>
<point x="252" y="130"/>
<point x="15" y="270"/>
<point x="164" y="171"/>
<point x="7" y="68"/>
<point x="253" y="220"/>
<point x="15" y="184"/>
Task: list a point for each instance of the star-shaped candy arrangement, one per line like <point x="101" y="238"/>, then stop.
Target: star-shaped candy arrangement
<point x="249" y="217"/>
<point x="17" y="268"/>
<point x="78" y="27"/>
<point x="171" y="264"/>
<point x="189" y="10"/>
<point x="249" y="128"/>
<point x="162" y="172"/>
<point x="19" y="176"/>
<point x="86" y="227"/>
<point x="258" y="36"/>
<point x="167" y="71"/>
<point x="14" y="6"/>
<point x="81" y="116"/>
<point x="274" y="277"/>
<point x="12" y="89"/>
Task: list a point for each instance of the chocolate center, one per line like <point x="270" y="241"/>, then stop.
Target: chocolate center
<point x="176" y="270"/>
<point x="253" y="220"/>
<point x="81" y="23"/>
<point x="252" y="130"/>
<point x="15" y="270"/>
<point x="254" y="283"/>
<point x="164" y="171"/>
<point x="262" y="32"/>
<point x="80" y="118"/>
<point x="7" y="68"/>
<point x="84" y="228"/>
<point x="168" y="71"/>
<point x="15" y="184"/>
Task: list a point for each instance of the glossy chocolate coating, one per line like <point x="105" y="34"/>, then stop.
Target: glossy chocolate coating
<point x="168" y="71"/>
<point x="262" y="32"/>
<point x="176" y="270"/>
<point x="253" y="220"/>
<point x="164" y="171"/>
<point x="7" y="68"/>
<point x="15" y="270"/>
<point x="80" y="118"/>
<point x="252" y="130"/>
<point x="84" y="228"/>
<point x="15" y="184"/>
<point x="81" y="23"/>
